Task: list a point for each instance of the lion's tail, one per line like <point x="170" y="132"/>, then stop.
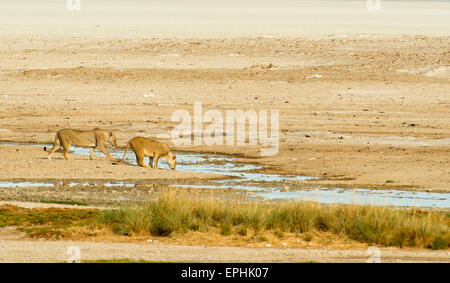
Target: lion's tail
<point x="125" y="154"/>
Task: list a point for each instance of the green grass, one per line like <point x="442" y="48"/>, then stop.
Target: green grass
<point x="46" y="232"/>
<point x="68" y="202"/>
<point x="308" y="237"/>
<point x="172" y="214"/>
<point x="16" y="216"/>
<point x="226" y="229"/>
<point x="46" y="223"/>
<point x="439" y="243"/>
<point x="176" y="214"/>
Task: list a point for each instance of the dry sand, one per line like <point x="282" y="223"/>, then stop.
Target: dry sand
<point x="370" y="117"/>
<point x="21" y="163"/>
<point x="56" y="251"/>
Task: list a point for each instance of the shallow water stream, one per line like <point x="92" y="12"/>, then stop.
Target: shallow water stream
<point x="268" y="186"/>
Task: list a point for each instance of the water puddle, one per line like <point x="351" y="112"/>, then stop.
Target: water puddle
<point x="266" y="186"/>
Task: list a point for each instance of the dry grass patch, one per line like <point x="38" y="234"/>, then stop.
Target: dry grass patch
<point x="178" y="218"/>
<point x="50" y="223"/>
<point x="174" y="214"/>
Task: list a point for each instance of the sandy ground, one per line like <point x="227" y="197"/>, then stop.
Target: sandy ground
<point x="56" y="251"/>
<point x="110" y="195"/>
<point x="30" y="163"/>
<point x="379" y="112"/>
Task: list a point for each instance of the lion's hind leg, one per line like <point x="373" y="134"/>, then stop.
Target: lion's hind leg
<point x="56" y="146"/>
<point x="66" y="150"/>
<point x="66" y="145"/>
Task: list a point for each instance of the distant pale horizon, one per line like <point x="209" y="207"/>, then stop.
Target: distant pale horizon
<point x="196" y="18"/>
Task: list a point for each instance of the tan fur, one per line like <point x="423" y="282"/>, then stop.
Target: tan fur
<point x="143" y="147"/>
<point x="95" y="139"/>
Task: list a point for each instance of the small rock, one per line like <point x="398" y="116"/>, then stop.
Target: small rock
<point x="285" y="189"/>
<point x="150" y="94"/>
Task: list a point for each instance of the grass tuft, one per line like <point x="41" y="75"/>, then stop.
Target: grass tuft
<point x="48" y="222"/>
<point x="67" y="202"/>
<point x="368" y="224"/>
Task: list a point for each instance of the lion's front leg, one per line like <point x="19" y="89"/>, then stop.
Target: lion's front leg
<point x="91" y="153"/>
<point x="102" y="149"/>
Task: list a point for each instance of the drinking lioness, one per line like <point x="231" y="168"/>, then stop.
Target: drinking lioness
<point x="143" y="147"/>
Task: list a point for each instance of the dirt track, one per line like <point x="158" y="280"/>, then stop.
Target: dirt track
<point x="56" y="251"/>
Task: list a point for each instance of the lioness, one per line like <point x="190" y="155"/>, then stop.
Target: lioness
<point x="143" y="147"/>
<point x="95" y="139"/>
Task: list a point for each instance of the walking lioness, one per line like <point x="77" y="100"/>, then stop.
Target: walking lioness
<point x="143" y="147"/>
<point x="95" y="139"/>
